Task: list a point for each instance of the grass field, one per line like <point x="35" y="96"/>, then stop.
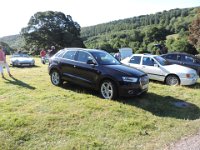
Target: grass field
<point x="34" y="114"/>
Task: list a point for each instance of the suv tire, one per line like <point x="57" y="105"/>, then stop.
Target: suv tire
<point x="108" y="90"/>
<point x="56" y="78"/>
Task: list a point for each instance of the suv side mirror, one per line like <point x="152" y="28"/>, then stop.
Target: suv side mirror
<point x="91" y="62"/>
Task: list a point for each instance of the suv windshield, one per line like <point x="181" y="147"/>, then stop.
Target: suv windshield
<point x="104" y="58"/>
<point x="162" y="61"/>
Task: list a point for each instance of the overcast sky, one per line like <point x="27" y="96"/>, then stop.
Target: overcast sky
<point x="15" y="14"/>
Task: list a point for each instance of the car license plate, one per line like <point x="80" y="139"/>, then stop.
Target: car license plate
<point x="25" y="64"/>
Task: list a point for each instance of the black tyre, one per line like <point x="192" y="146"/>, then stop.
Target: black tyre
<point x="56" y="78"/>
<point x="108" y="90"/>
<point x="172" y="80"/>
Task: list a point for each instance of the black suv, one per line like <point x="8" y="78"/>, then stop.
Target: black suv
<point x="98" y="70"/>
<point x="183" y="59"/>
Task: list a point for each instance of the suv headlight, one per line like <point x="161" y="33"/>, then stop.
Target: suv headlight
<point x="129" y="79"/>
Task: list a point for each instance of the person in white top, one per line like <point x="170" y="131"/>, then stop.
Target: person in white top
<point x="3" y="62"/>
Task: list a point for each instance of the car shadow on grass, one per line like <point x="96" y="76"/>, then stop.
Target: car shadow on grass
<point x="20" y="83"/>
<point x="35" y="66"/>
<point x="164" y="106"/>
<point x="79" y="89"/>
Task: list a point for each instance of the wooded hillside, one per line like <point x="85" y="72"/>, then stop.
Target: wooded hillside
<point x="141" y="33"/>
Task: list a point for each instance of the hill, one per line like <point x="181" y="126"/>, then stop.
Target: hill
<point x="140" y="33"/>
<point x="14" y="41"/>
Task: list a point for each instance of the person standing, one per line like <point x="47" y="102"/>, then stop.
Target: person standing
<point x="3" y="62"/>
<point x="118" y="56"/>
<point x="43" y="53"/>
<point x="43" y="56"/>
<point x="52" y="51"/>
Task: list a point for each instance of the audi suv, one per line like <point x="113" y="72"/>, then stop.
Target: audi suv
<point x="98" y="70"/>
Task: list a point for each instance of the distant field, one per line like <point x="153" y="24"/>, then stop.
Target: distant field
<point x="34" y="114"/>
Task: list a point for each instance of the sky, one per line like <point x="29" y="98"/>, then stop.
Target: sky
<point x="15" y="14"/>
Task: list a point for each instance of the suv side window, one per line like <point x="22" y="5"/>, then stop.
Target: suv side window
<point x="188" y="59"/>
<point x="83" y="57"/>
<point x="147" y="61"/>
<point x="59" y="53"/>
<point x="172" y="56"/>
<point x="69" y="55"/>
<point x="135" y="60"/>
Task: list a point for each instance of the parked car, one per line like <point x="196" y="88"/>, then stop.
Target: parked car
<point x="159" y="69"/>
<point x="184" y="59"/>
<point x="98" y="70"/>
<point x="21" y="60"/>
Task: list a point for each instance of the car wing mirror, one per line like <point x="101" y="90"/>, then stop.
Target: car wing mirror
<point x="156" y="65"/>
<point x="91" y="62"/>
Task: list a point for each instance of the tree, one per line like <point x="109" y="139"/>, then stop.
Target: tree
<point x="52" y="28"/>
<point x="180" y="45"/>
<point x="194" y="29"/>
<point x="6" y="48"/>
<point x="106" y="46"/>
<point x="155" y="33"/>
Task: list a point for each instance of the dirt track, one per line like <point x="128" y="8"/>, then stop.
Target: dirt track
<point x="186" y="143"/>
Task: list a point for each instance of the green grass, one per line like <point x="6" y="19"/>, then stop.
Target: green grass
<point x="34" y="114"/>
<point x="172" y="36"/>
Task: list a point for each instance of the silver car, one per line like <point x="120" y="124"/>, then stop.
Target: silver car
<point x="21" y="60"/>
<point x="159" y="69"/>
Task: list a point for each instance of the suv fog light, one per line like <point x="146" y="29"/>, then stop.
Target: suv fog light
<point x="130" y="92"/>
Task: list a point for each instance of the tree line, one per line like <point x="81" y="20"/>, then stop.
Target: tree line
<point x="176" y="29"/>
<point x="170" y="28"/>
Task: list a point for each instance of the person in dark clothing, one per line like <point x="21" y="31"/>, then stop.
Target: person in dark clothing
<point x="52" y="51"/>
<point x="118" y="56"/>
<point x="162" y="49"/>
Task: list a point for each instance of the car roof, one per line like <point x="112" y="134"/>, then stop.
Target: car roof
<point x="146" y="54"/>
<point x="20" y="54"/>
<point x="180" y="53"/>
<point x="74" y="48"/>
<point x="83" y="49"/>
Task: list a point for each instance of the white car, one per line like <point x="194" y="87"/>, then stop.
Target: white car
<point x="159" y="69"/>
<point x="21" y="60"/>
